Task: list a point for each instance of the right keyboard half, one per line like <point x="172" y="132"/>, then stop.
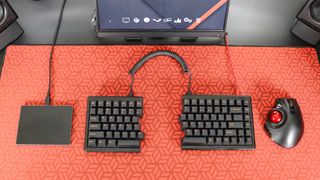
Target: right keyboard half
<point x="217" y="122"/>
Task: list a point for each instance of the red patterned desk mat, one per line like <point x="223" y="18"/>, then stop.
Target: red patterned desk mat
<point x="82" y="71"/>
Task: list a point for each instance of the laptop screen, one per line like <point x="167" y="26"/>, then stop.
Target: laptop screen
<point x="190" y="15"/>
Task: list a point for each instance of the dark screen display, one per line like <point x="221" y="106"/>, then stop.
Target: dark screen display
<point x="162" y="14"/>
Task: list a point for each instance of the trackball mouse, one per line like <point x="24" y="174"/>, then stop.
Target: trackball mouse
<point x="284" y="123"/>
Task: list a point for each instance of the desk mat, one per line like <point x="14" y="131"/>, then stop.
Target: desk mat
<point x="82" y="71"/>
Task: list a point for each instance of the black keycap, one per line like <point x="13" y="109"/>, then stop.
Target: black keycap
<point x="186" y="102"/>
<point x="224" y="110"/>
<point x="233" y="141"/>
<point x="246" y="103"/>
<point x="119" y="119"/>
<point x="139" y="104"/>
<point x="235" y="125"/>
<point x="196" y="132"/>
<point x="186" y="109"/>
<point x="189" y="132"/>
<point x="100" y="111"/>
<point x="194" y="141"/>
<point x="210" y="141"/>
<point x="241" y="141"/>
<point x="193" y="125"/>
<point x="206" y="117"/>
<point x="102" y="143"/>
<point x="113" y="127"/>
<point x="240" y="132"/>
<point x="212" y="132"/>
<point x="226" y="140"/>
<point x="136" y="127"/>
<point x="183" y="117"/>
<point x="105" y="126"/>
<point x="116" y="104"/>
<point x="133" y="135"/>
<point x="247" y="125"/>
<point x="127" y="119"/>
<point x="231" y="102"/>
<point x="108" y="111"/>
<point x="140" y="135"/>
<point x="224" y="102"/>
<point x="94" y="126"/>
<point x="246" y="117"/>
<point x="235" y="110"/>
<point x="111" y="143"/>
<point x="93" y="111"/>
<point x="139" y="112"/>
<point x="92" y="143"/>
<point x="123" y="111"/>
<point x="219" y="132"/>
<point x="121" y="127"/>
<point x="248" y="140"/>
<point x="94" y="119"/>
<point x="218" y="141"/>
<point x="223" y="125"/>
<point x="131" y="103"/>
<point x="108" y="103"/>
<point x="204" y="132"/>
<point x="129" y="127"/>
<point x="131" y="111"/>
<point x="198" y="117"/>
<point x="209" y="102"/>
<point x="217" y="102"/>
<point x="123" y="103"/>
<point x="115" y="111"/>
<point x="208" y="125"/>
<point x="116" y="135"/>
<point x="93" y="103"/>
<point x="128" y="143"/>
<point x="135" y="119"/>
<point x="221" y="117"/>
<point x="202" y="102"/>
<point x="112" y="119"/>
<point x="194" y="102"/>
<point x="184" y="125"/>
<point x="230" y="132"/>
<point x="200" y="125"/>
<point x="194" y="109"/>
<point x="190" y="117"/>
<point x="215" y="125"/>
<point x="238" y="102"/>
<point x="96" y="134"/>
<point x="213" y="117"/>
<point x="100" y="103"/>
<point x="124" y="135"/>
<point x="202" y="109"/>
<point x="104" y="119"/>
<point x="237" y="117"/>
<point x="248" y="133"/>
<point x="228" y="117"/>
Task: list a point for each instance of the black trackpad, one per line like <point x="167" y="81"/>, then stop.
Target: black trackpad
<point x="45" y="125"/>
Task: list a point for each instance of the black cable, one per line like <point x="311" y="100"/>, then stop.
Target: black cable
<point x="151" y="55"/>
<point x="54" y="41"/>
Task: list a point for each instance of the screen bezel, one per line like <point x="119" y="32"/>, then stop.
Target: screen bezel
<point x="160" y="32"/>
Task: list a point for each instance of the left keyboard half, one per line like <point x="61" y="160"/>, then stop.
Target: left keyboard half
<point x="113" y="124"/>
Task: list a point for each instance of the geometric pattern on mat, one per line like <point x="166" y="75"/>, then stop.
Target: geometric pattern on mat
<point x="82" y="71"/>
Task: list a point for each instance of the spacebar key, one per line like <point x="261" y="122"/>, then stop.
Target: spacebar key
<point x="128" y="143"/>
<point x="194" y="141"/>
